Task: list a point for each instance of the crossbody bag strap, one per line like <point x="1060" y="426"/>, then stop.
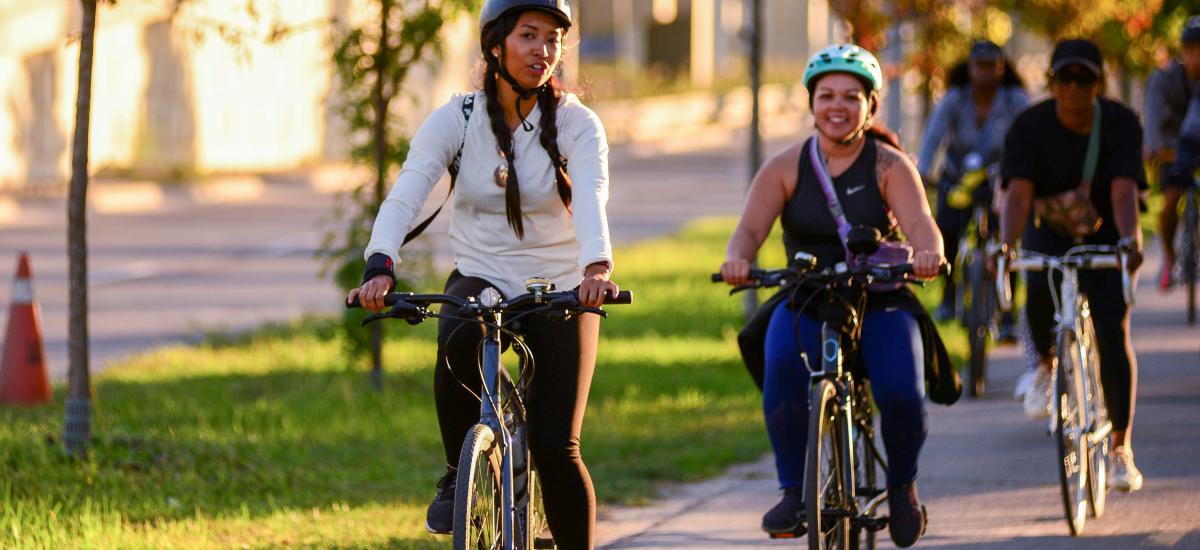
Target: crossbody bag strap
<point x="468" y="107"/>
<point x="818" y="164"/>
<point x="1093" y="152"/>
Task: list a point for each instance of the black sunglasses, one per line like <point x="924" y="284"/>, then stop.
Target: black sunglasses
<point x="1082" y="78"/>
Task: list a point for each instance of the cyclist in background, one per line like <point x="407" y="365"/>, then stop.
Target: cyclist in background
<point x="1168" y="92"/>
<point x="1043" y="157"/>
<point x="983" y="97"/>
<point x="877" y="186"/>
<point x="532" y="189"/>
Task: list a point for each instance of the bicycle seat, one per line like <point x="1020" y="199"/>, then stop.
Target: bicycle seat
<point x="863" y="240"/>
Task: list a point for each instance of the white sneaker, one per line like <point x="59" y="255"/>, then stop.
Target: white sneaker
<point x="1037" y="397"/>
<point x="1123" y="475"/>
<point x="1023" y="383"/>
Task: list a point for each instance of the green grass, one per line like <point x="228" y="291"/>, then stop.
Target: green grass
<point x="271" y="439"/>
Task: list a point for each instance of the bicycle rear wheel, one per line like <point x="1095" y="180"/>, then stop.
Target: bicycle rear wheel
<point x="826" y="493"/>
<point x="978" y="322"/>
<point x="478" y="495"/>
<point x="1097" y="421"/>
<point x="1070" y="431"/>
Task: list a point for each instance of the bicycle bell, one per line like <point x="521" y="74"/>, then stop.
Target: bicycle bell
<point x="538" y="286"/>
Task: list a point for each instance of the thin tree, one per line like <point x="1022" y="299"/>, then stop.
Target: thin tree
<point x="77" y="428"/>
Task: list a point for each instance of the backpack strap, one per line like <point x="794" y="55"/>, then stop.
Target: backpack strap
<point x="468" y="106"/>
<point x="1093" y="151"/>
<point x="831" y="201"/>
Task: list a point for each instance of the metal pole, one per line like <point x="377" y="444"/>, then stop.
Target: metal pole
<point x="754" y="37"/>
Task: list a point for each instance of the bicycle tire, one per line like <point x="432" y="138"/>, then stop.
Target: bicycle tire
<point x="1097" y="417"/>
<point x="1190" y="251"/>
<point x="1069" y="433"/>
<point x="825" y="472"/>
<point x="977" y="325"/>
<point x="478" y="494"/>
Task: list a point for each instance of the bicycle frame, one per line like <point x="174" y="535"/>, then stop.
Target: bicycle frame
<point x="489" y="408"/>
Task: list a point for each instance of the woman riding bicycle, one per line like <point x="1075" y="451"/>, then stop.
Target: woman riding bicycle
<point x="877" y="186"/>
<point x="983" y="97"/>
<point x="532" y="188"/>
<point x="1044" y="157"/>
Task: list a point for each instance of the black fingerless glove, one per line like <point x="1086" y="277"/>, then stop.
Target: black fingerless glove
<point x="379" y="264"/>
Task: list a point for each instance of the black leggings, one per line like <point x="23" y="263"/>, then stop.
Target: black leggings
<point x="1110" y="318"/>
<point x="564" y="355"/>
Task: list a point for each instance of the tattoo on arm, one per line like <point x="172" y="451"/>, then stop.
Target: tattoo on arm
<point x="883" y="162"/>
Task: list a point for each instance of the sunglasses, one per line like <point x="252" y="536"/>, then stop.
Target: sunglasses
<point x="1082" y="78"/>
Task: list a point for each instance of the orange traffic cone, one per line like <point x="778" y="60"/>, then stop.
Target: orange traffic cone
<point x="23" y="378"/>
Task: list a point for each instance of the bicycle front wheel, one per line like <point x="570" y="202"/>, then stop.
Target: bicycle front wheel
<point x="478" y="495"/>
<point x="1070" y="431"/>
<point x="978" y="323"/>
<point x="866" y="466"/>
<point x="826" y="494"/>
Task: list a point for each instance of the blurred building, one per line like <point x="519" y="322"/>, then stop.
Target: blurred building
<point x="185" y="89"/>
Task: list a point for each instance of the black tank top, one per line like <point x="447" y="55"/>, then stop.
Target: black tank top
<point x="809" y="226"/>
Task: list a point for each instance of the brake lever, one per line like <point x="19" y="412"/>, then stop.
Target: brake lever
<point x="375" y="317"/>
<point x="740" y="288"/>
<point x="603" y="314"/>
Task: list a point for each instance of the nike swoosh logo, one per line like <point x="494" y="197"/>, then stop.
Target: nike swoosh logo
<point x="853" y="190"/>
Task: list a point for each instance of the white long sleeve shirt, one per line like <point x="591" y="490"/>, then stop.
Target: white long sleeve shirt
<point x="558" y="244"/>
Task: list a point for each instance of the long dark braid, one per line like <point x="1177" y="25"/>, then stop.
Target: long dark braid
<point x="548" y="102"/>
<point x="504" y="139"/>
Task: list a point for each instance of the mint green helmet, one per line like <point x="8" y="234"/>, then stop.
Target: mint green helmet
<point x="844" y="58"/>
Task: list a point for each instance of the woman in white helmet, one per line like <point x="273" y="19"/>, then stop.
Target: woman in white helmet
<point x="531" y="192"/>
<point x="877" y="185"/>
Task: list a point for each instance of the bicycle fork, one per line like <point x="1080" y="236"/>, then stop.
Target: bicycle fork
<point x="491" y="414"/>
<point x="831" y="362"/>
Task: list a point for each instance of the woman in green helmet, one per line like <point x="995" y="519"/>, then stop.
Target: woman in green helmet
<point x="877" y="186"/>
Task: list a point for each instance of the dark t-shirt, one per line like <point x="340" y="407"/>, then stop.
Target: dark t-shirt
<point x="1039" y="148"/>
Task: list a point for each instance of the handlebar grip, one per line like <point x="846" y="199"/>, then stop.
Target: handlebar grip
<point x="718" y="278"/>
<point x="389" y="300"/>
<point x="622" y="297"/>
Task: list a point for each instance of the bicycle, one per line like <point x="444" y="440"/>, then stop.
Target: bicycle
<point x="975" y="292"/>
<point x="841" y="489"/>
<point x="497" y="502"/>
<point x="1079" y="418"/>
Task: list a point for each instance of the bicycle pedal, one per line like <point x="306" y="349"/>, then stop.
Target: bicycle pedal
<point x="795" y="534"/>
<point x="876" y="523"/>
<point x="543" y="542"/>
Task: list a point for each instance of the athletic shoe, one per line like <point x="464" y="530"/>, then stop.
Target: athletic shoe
<point x="788" y="515"/>
<point x="1037" y="397"/>
<point x="1124" y="475"/>
<point x="439" y="517"/>
<point x="906" y="516"/>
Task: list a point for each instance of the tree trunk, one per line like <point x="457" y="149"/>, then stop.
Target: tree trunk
<point x="750" y="299"/>
<point x="77" y="428"/>
<point x="380" y="103"/>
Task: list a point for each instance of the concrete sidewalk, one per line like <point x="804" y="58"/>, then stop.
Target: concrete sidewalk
<point x="988" y="474"/>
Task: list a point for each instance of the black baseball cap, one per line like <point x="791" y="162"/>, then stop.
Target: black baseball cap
<point x="986" y="50"/>
<point x="1191" y="30"/>
<point x="1076" y="51"/>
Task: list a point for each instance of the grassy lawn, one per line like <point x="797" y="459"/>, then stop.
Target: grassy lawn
<point x="271" y="440"/>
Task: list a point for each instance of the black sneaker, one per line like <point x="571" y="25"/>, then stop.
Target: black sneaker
<point x="906" y="515"/>
<point x="786" y="517"/>
<point x="1006" y="332"/>
<point x="439" y="518"/>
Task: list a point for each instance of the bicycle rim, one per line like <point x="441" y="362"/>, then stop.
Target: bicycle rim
<point x="865" y="470"/>
<point x="1070" y="433"/>
<point x="478" y="495"/>
<point x="1098" y="416"/>
<point x="826" y="496"/>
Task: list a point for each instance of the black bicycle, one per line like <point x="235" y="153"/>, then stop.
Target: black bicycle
<point x="976" y="304"/>
<point x="842" y="467"/>
<point x="497" y="502"/>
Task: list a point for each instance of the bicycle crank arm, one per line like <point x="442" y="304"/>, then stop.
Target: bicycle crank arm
<point x="869" y="509"/>
<point x="1097" y="436"/>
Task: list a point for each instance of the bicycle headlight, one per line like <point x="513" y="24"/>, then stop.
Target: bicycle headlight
<point x="490" y="297"/>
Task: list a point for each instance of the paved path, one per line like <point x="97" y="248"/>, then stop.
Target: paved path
<point x="987" y="473"/>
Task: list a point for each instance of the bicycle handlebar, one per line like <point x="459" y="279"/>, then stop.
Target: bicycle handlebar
<point x="762" y="278"/>
<point x="414" y="307"/>
<point x="1086" y="257"/>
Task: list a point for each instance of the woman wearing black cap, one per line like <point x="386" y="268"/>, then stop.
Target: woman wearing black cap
<point x="1044" y="156"/>
<point x="531" y="192"/>
<point x="983" y="97"/>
